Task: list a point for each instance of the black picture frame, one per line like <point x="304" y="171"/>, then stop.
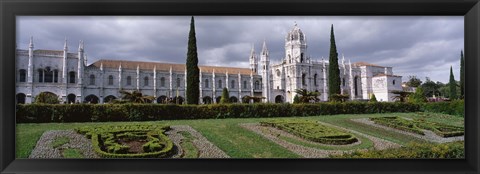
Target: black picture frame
<point x="470" y="9"/>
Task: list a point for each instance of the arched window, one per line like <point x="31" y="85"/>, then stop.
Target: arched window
<point x="301" y="57"/>
<point x="178" y="82"/>
<point x="304" y="82"/>
<point x="71" y="76"/>
<point x="343" y="81"/>
<point x="315" y="79"/>
<point x="92" y="79"/>
<point x="219" y="83"/>
<point x="145" y="81"/>
<point x="110" y="80"/>
<point x="129" y="80"/>
<point x="23" y="75"/>
<point x="206" y="83"/>
<point x="257" y="84"/>
<point x="162" y="82"/>
<point x="244" y="84"/>
<point x="232" y="84"/>
<point x="55" y="76"/>
<point x="393" y="82"/>
<point x="48" y="75"/>
<point x="40" y="75"/>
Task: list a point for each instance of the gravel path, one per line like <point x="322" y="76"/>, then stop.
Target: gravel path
<point x="429" y="135"/>
<point x="308" y="152"/>
<point x="205" y="147"/>
<point x="43" y="149"/>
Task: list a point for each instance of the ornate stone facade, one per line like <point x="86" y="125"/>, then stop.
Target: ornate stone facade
<point x="69" y="77"/>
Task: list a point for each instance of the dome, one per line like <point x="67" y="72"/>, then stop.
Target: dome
<point x="295" y="34"/>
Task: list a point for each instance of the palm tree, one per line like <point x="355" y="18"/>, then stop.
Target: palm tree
<point x="136" y="97"/>
<point x="307" y="96"/>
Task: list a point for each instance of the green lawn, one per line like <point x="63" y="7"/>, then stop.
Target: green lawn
<point x="236" y="141"/>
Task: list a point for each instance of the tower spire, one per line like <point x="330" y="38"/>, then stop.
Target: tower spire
<point x="65" y="47"/>
<point x="264" y="48"/>
<point x="31" y="42"/>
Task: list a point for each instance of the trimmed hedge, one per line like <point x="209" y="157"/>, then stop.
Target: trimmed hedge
<point x="44" y="113"/>
<point x="413" y="150"/>
<point x="313" y="131"/>
<point x="416" y="126"/>
<point x="456" y="107"/>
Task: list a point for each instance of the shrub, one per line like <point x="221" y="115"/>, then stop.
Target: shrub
<point x="413" y="150"/>
<point x="373" y="98"/>
<point x="43" y="113"/>
<point x="416" y="126"/>
<point x="312" y="131"/>
<point x="455" y="107"/>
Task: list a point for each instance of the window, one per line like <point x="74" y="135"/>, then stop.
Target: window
<point x="232" y="84"/>
<point x="55" y="76"/>
<point x="343" y="81"/>
<point x="71" y="76"/>
<point x="315" y="79"/>
<point x="129" y="80"/>
<point x="162" y="82"/>
<point x="23" y="75"/>
<point x="257" y="84"/>
<point x="178" y="82"/>
<point x="48" y="78"/>
<point x="206" y="83"/>
<point x="245" y="84"/>
<point x="145" y="81"/>
<point x="219" y="83"/>
<point x="110" y="80"/>
<point x="40" y="75"/>
<point x="92" y="79"/>
<point x="304" y="82"/>
<point x="393" y="82"/>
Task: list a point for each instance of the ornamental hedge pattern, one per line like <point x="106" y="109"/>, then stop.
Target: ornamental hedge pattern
<point x="313" y="131"/>
<point x="44" y="113"/>
<point x="417" y="125"/>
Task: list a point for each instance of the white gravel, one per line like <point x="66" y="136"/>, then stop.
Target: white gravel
<point x="43" y="149"/>
<point x="273" y="135"/>
<point x="206" y="148"/>
<point x="429" y="135"/>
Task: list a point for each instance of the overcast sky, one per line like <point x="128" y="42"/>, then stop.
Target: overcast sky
<point x="421" y="46"/>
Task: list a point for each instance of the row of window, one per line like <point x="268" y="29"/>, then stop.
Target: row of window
<point x="46" y="76"/>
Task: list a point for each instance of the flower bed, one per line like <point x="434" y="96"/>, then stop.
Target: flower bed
<point x="130" y="141"/>
<point x="313" y="131"/>
<point x="416" y="126"/>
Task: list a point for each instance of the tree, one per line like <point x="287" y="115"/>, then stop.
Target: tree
<point x="307" y="96"/>
<point x="418" y="96"/>
<point x="333" y="70"/>
<point x="47" y="97"/>
<point x="401" y="96"/>
<point x="373" y="98"/>
<point x="225" y="96"/>
<point x="135" y="97"/>
<point x="452" y="85"/>
<point x="430" y="88"/>
<point x="296" y="99"/>
<point x="414" y="81"/>
<point x="193" y="92"/>
<point x="462" y="75"/>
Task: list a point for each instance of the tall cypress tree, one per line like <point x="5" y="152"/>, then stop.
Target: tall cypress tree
<point x="333" y="70"/>
<point x="453" y="85"/>
<point x="462" y="75"/>
<point x="193" y="88"/>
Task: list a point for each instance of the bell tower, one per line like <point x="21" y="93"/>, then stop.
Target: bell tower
<point x="295" y="46"/>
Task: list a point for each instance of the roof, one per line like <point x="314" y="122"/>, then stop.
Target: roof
<point x="160" y="66"/>
<point x="366" y="64"/>
<point x="389" y="75"/>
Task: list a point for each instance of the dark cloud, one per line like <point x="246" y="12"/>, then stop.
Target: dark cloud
<point x="413" y="45"/>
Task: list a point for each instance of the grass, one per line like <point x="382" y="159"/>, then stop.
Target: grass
<point x="72" y="153"/>
<point x="236" y="141"/>
<point x="190" y="151"/>
<point x="59" y="141"/>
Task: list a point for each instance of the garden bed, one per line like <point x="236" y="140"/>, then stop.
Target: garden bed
<point x="311" y="130"/>
<point x="418" y="126"/>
